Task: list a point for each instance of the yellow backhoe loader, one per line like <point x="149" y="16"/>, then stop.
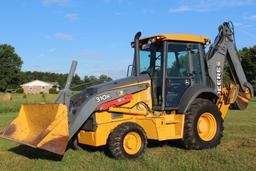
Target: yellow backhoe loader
<point x="175" y="91"/>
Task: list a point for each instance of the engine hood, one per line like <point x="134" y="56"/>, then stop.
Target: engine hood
<point x="79" y="98"/>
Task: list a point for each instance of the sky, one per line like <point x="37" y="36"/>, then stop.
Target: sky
<point x="49" y="34"/>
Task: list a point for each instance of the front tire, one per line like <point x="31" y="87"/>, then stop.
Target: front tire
<point x="203" y="125"/>
<point x="128" y="140"/>
<point x="74" y="144"/>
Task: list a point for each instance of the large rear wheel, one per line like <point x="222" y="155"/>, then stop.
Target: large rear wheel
<point x="203" y="125"/>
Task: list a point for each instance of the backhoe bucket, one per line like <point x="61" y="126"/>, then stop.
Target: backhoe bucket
<point x="43" y="126"/>
<point x="242" y="100"/>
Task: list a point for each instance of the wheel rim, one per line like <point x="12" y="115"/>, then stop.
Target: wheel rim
<point x="206" y="126"/>
<point x="132" y="143"/>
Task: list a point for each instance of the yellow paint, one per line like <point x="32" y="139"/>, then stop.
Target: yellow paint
<point x="43" y="126"/>
<point x="206" y="126"/>
<point x="227" y="97"/>
<point x="163" y="127"/>
<point x="100" y="136"/>
<point x="142" y="96"/>
<point x="180" y="37"/>
<point x="132" y="143"/>
<point x="157" y="125"/>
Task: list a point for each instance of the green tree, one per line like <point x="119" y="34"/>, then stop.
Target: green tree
<point x="104" y="78"/>
<point x="76" y="80"/>
<point x="10" y="67"/>
<point x="249" y="64"/>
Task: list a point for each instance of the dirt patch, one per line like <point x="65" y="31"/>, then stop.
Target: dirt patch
<point x="241" y="143"/>
<point x="7" y="97"/>
<point x="2" y="153"/>
<point x="232" y="144"/>
<point x="248" y="143"/>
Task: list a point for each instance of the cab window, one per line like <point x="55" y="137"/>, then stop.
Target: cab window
<point x="177" y="60"/>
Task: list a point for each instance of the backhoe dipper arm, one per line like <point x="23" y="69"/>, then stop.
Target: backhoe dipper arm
<point x="224" y="49"/>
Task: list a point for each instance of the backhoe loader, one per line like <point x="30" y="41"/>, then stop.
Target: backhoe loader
<point x="175" y="91"/>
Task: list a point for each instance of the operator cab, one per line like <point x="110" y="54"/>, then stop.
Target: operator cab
<point x="174" y="62"/>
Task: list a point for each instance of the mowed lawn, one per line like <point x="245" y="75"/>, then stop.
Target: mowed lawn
<point x="236" y="152"/>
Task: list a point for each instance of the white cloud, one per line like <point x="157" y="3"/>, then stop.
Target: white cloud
<point x="181" y="8"/>
<point x="148" y="11"/>
<point x="251" y="17"/>
<point x="72" y="16"/>
<point x="209" y="5"/>
<point x="59" y="2"/>
<point x="237" y="24"/>
<point x="63" y="36"/>
<point x="41" y="55"/>
<point x="249" y="34"/>
<point x="242" y="25"/>
<point x="51" y="50"/>
<point x="115" y="1"/>
<point x="86" y="53"/>
<point x="119" y="13"/>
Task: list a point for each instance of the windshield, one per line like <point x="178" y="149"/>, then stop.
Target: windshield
<point x="150" y="58"/>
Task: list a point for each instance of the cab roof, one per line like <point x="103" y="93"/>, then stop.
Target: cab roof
<point x="180" y="37"/>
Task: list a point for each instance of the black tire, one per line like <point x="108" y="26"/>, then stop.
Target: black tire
<point x="75" y="145"/>
<point x="191" y="137"/>
<point x="116" y="140"/>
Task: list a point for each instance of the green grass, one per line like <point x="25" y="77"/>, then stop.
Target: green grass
<point x="13" y="105"/>
<point x="236" y="152"/>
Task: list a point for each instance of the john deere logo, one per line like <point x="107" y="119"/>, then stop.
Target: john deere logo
<point x="218" y="78"/>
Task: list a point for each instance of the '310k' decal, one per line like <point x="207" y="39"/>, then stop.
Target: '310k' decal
<point x="102" y="98"/>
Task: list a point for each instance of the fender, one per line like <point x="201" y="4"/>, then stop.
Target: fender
<point x="192" y="93"/>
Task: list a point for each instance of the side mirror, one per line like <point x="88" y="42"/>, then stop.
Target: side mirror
<point x="128" y="70"/>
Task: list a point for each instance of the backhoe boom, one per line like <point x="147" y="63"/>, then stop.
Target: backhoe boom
<point x="224" y="50"/>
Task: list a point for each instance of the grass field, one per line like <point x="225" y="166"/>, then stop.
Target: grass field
<point x="236" y="152"/>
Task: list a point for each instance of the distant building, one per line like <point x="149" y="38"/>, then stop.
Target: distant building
<point x="55" y="85"/>
<point x="37" y="87"/>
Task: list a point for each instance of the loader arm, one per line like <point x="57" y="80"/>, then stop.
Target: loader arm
<point x="224" y="50"/>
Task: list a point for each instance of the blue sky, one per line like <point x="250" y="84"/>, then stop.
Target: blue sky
<point x="49" y="34"/>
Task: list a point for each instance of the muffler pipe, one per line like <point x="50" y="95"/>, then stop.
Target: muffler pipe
<point x="137" y="53"/>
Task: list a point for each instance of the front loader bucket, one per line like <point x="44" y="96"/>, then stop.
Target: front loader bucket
<point x="43" y="126"/>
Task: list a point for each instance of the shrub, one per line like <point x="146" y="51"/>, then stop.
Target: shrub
<point x="24" y="96"/>
<point x="53" y="91"/>
<point x="20" y="91"/>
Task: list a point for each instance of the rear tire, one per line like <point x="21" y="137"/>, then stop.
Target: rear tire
<point x="203" y="125"/>
<point x="128" y="140"/>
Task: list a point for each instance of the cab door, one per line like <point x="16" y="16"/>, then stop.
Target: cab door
<point x="183" y="69"/>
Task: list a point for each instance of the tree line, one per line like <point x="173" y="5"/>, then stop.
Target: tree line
<point x="78" y="83"/>
<point x="249" y="64"/>
<point x="11" y="76"/>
